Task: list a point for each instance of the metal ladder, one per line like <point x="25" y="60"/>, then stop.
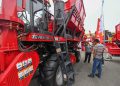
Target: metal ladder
<point x="66" y="65"/>
<point x="62" y="47"/>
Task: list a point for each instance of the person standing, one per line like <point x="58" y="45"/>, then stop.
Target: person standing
<point x="97" y="59"/>
<point x="88" y="50"/>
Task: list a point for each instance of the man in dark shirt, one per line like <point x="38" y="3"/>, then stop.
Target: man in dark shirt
<point x="88" y="50"/>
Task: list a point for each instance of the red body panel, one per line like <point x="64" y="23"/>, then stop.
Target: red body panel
<point x="77" y="19"/>
<point x="37" y="37"/>
<point x="8" y="11"/>
<point x="113" y="47"/>
<point x="8" y="34"/>
<point x="118" y="32"/>
<point x="11" y="73"/>
<point x="72" y="58"/>
<point x="9" y="54"/>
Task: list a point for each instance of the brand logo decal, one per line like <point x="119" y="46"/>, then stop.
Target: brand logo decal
<point x="25" y="68"/>
<point x="41" y="37"/>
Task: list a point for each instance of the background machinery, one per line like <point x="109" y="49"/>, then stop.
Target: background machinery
<point x="114" y="45"/>
<point x="36" y="46"/>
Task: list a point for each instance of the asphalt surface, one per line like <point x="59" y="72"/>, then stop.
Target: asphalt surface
<point x="110" y="74"/>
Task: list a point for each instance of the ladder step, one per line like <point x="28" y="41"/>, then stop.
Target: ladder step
<point x="69" y="67"/>
<point x="67" y="63"/>
<point x="71" y="78"/>
<point x="59" y="18"/>
<point x="70" y="75"/>
<point x="63" y="52"/>
<point x="62" y="42"/>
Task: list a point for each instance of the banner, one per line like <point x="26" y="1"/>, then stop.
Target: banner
<point x="99" y="31"/>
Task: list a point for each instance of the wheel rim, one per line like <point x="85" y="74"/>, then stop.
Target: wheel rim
<point x="59" y="77"/>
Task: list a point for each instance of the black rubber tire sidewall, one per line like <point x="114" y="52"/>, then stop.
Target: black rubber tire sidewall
<point x="53" y="63"/>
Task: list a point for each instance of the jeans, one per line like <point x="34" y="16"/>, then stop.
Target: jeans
<point x="97" y="65"/>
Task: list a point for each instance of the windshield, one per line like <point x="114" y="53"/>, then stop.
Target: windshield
<point x="25" y="14"/>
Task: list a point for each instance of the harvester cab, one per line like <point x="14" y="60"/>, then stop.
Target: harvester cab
<point x="35" y="15"/>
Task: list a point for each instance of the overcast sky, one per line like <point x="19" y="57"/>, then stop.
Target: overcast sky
<point x="93" y="11"/>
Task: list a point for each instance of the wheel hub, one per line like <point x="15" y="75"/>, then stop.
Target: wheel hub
<point x="59" y="77"/>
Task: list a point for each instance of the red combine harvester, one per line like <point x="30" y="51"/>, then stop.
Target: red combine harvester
<point x="36" y="47"/>
<point x="114" y="46"/>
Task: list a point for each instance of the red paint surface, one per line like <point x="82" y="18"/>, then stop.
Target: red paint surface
<point x="72" y="58"/>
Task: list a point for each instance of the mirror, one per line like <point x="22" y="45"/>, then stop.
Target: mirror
<point x="19" y="14"/>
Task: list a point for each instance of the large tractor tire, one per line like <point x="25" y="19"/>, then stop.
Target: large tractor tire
<point x="51" y="72"/>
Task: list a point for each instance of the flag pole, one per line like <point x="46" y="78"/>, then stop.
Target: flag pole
<point x="102" y="16"/>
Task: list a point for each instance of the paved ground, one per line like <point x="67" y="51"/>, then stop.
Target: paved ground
<point x="110" y="75"/>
